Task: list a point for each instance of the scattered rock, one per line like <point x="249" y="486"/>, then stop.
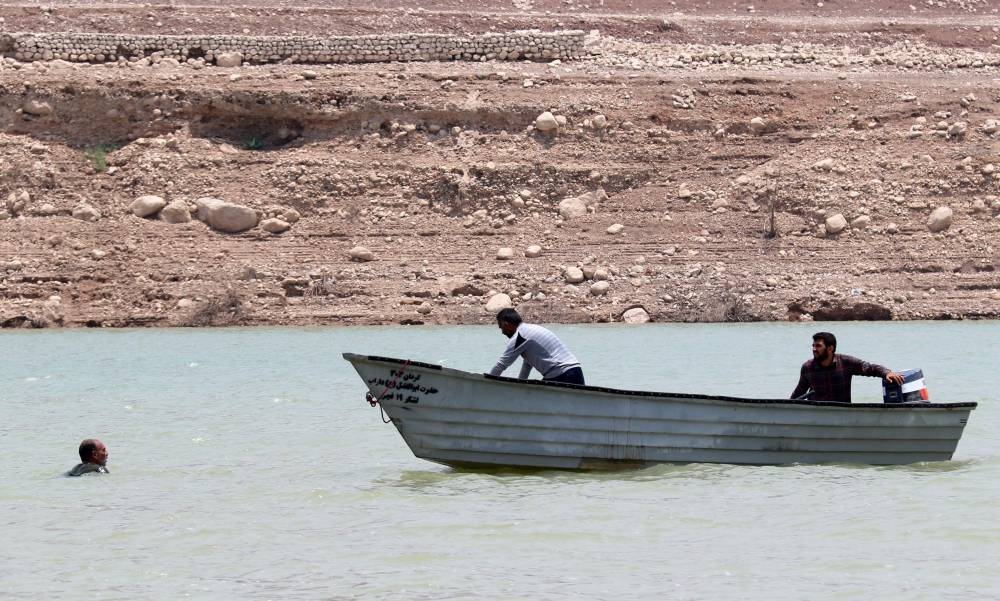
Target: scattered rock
<point x="467" y="289"/>
<point x="47" y="210"/>
<point x="85" y="212"/>
<point x="600" y="288"/>
<point x="635" y="315"/>
<point x="573" y="275"/>
<point x="228" y="59"/>
<point x="578" y="206"/>
<point x="38" y="108"/>
<point x="17" y="201"/>
<point x="275" y="225"/>
<point x="572" y="208"/>
<point x="615" y="229"/>
<point x="505" y="254"/>
<point x="290" y="215"/>
<point x="835" y="224"/>
<point x="225" y="216"/>
<point x="823" y="165"/>
<point x="176" y="212"/>
<point x="147" y="206"/>
<point x="533" y="252"/>
<point x="940" y="219"/>
<point x="498" y="302"/>
<point x="425" y="308"/>
<point x="360" y="253"/>
<point x="546" y="123"/>
<point x="861" y="222"/>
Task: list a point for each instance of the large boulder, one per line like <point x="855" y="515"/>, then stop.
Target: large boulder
<point x="17" y="201"/>
<point x="274" y="225"/>
<point x="360" y="253"/>
<point x="861" y="222"/>
<point x="836" y="224"/>
<point x="228" y="59"/>
<point x="85" y="212"/>
<point x="147" y="206"/>
<point x="635" y="315"/>
<point x="546" y="122"/>
<point x="290" y="215"/>
<point x="176" y="212"/>
<point x="940" y="219"/>
<point x="573" y="275"/>
<point x="571" y="208"/>
<point x="226" y="216"/>
<point x="498" y="302"/>
<point x="38" y="108"/>
<point x="600" y="288"/>
<point x="578" y="206"/>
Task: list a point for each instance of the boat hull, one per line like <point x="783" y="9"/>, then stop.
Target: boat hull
<point x="464" y="419"/>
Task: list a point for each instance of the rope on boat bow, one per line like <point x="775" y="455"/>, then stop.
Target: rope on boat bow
<point x="376" y="401"/>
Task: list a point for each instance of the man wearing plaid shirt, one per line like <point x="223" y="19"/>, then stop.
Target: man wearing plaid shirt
<point x="827" y="376"/>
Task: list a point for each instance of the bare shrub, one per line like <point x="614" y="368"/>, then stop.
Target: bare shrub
<point x="728" y="307"/>
<point x="321" y="287"/>
<point x="247" y="272"/>
<point x="226" y="309"/>
<point x="13" y="174"/>
<point x="351" y="211"/>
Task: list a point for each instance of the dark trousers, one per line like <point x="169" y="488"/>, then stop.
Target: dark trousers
<point x="574" y="375"/>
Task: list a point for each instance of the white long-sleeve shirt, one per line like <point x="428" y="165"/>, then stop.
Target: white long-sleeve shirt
<point x="541" y="350"/>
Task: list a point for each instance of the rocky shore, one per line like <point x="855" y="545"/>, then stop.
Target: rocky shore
<point x="704" y="165"/>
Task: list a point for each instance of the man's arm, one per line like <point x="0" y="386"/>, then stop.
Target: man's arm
<point x="859" y="367"/>
<point x="525" y="371"/>
<point x="803" y="385"/>
<point x="508" y="357"/>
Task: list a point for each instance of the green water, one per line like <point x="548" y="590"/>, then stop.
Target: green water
<point x="246" y="465"/>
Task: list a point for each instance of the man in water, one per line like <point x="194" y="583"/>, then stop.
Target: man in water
<point x="94" y="458"/>
<point x="827" y="376"/>
<point x="539" y="347"/>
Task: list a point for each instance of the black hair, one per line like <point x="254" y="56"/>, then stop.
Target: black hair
<point x="827" y="338"/>
<point x="87" y="449"/>
<point x="510" y="316"/>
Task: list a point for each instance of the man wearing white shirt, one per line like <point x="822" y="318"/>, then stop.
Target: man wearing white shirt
<point x="539" y="348"/>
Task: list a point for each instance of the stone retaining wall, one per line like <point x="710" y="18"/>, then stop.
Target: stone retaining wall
<point x="101" y="47"/>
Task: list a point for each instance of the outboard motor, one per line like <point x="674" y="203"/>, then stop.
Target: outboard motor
<point x="912" y="390"/>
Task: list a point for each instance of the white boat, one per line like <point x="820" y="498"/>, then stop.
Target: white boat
<point x="467" y="419"/>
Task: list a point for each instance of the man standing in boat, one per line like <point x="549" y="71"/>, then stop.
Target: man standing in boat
<point x="539" y="347"/>
<point x="827" y="376"/>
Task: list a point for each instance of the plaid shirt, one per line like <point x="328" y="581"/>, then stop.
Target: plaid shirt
<point x="834" y="383"/>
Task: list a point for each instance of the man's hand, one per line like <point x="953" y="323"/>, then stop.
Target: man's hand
<point x="894" y="377"/>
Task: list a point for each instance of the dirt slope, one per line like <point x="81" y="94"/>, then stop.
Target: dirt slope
<point x="881" y="115"/>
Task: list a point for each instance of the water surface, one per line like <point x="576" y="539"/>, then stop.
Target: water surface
<point x="246" y="465"/>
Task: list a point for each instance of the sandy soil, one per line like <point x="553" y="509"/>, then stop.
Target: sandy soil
<point x="434" y="167"/>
